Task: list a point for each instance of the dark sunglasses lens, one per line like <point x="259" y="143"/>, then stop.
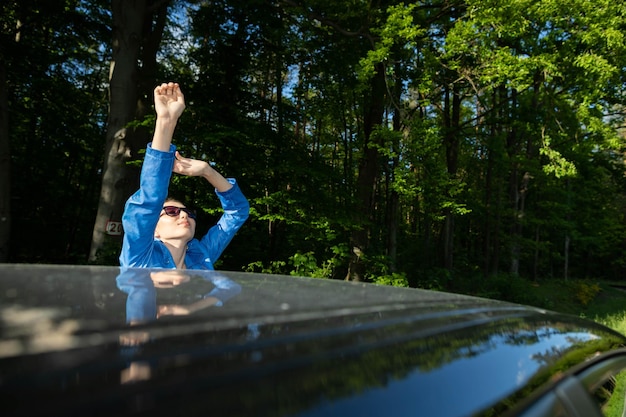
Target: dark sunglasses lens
<point x="175" y="211"/>
<point x="190" y="213"/>
<point x="171" y="210"/>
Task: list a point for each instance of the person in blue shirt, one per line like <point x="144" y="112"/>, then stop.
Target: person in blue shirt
<point x="159" y="232"/>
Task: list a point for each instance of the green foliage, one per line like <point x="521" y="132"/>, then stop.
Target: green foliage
<point x="278" y="97"/>
<point x="306" y="265"/>
<point x="303" y="264"/>
<point x="507" y="288"/>
<point x="56" y="110"/>
<point x="614" y="318"/>
<point x="399" y="31"/>
<point x="437" y="279"/>
<point x="615" y="393"/>
<point x="109" y="254"/>
<point x="275" y="267"/>
<point x="585" y="292"/>
<point x="557" y="165"/>
<point x="395" y="280"/>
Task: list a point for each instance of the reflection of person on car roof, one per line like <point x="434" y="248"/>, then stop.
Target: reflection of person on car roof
<point x="141" y="285"/>
<point x="159" y="232"/>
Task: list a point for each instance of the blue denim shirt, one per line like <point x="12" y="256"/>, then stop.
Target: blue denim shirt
<point x="141" y="249"/>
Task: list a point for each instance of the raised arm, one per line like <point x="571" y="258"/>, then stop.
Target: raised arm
<point x="141" y="213"/>
<point x="169" y="103"/>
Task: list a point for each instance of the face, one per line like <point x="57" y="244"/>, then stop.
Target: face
<point x="168" y="279"/>
<point x="175" y="227"/>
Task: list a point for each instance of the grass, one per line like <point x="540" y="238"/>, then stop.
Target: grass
<point x="603" y="302"/>
<point x="600" y="301"/>
<point x="610" y="307"/>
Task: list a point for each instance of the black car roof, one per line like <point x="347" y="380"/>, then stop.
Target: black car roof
<point x="272" y="345"/>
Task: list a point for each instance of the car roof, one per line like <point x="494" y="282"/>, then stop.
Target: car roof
<point x="261" y="344"/>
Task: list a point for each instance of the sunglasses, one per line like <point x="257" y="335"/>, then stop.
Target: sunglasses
<point x="174" y="211"/>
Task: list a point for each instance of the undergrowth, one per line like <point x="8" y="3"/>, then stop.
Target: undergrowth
<point x="601" y="301"/>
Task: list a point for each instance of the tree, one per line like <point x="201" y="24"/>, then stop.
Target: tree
<point x="10" y="36"/>
<point x="51" y="112"/>
<point x="137" y="32"/>
<point x="541" y="99"/>
<point x="5" y="171"/>
<point x="428" y="143"/>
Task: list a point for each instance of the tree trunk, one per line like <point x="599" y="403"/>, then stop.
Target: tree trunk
<point x="568" y="238"/>
<point x="566" y="244"/>
<point x="367" y="176"/>
<point x="128" y="20"/>
<point x="393" y="201"/>
<point x="452" y="117"/>
<point x="5" y="168"/>
<point x="536" y="255"/>
<point x="393" y="210"/>
<point x="518" y="187"/>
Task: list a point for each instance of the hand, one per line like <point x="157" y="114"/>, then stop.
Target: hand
<point x="169" y="101"/>
<point x="172" y="310"/>
<point x="196" y="168"/>
<point x="190" y="167"/>
<point x="134" y="338"/>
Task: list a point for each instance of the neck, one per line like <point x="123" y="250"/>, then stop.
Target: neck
<point x="178" y="250"/>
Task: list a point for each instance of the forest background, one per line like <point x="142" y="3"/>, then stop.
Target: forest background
<point x="436" y="144"/>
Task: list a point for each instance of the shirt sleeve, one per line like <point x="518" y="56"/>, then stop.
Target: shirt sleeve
<point x="141" y="300"/>
<point x="236" y="211"/>
<point x="141" y="212"/>
<point x="224" y="290"/>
